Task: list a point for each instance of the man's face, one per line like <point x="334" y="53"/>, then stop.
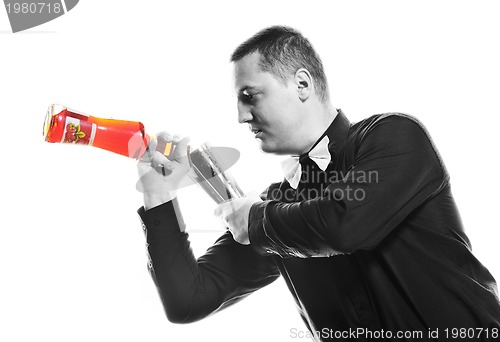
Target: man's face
<point x="271" y="108"/>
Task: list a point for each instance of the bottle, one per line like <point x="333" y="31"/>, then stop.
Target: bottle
<point x="127" y="138"/>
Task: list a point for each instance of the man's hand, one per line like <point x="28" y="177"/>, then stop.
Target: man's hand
<point x="235" y="214"/>
<point x="159" y="177"/>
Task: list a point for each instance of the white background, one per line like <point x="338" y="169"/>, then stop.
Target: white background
<point x="72" y="255"/>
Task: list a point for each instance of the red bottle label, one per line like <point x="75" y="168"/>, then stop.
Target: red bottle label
<point x="78" y="132"/>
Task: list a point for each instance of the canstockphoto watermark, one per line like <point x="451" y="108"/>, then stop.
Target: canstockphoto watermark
<point x="461" y="334"/>
<point x="327" y="333"/>
<point x="25" y="14"/>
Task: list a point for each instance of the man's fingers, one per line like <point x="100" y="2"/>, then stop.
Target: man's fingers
<point x="164" y="143"/>
<point x="148" y="155"/>
<point x="181" y="149"/>
<point x="178" y="147"/>
<point x="161" y="163"/>
<point x="219" y="209"/>
<point x="165" y="136"/>
<point x="223" y="209"/>
<point x="227" y="208"/>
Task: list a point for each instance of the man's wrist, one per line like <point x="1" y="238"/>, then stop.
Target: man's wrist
<point x="152" y="200"/>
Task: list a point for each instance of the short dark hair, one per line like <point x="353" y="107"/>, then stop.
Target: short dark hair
<point x="283" y="51"/>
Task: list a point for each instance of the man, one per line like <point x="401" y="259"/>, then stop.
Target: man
<point x="363" y="229"/>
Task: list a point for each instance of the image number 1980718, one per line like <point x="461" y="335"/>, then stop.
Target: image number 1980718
<point x="33" y="7"/>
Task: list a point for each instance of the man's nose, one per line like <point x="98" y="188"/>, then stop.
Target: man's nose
<point x="244" y="114"/>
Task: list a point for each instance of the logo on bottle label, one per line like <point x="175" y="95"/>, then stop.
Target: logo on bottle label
<point x="78" y="132"/>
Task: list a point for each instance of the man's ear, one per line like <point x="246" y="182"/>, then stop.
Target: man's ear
<point x="304" y="83"/>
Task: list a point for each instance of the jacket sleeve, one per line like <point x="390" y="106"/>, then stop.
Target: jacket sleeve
<point x="192" y="289"/>
<point x="396" y="169"/>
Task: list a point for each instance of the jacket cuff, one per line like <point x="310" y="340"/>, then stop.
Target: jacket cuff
<point x="161" y="220"/>
<point x="257" y="235"/>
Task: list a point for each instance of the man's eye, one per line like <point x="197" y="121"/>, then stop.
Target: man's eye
<point x="248" y="97"/>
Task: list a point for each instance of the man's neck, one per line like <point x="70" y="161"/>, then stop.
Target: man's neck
<point x="323" y="118"/>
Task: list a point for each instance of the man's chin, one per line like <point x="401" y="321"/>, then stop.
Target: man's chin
<point x="265" y="147"/>
<point x="271" y="148"/>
